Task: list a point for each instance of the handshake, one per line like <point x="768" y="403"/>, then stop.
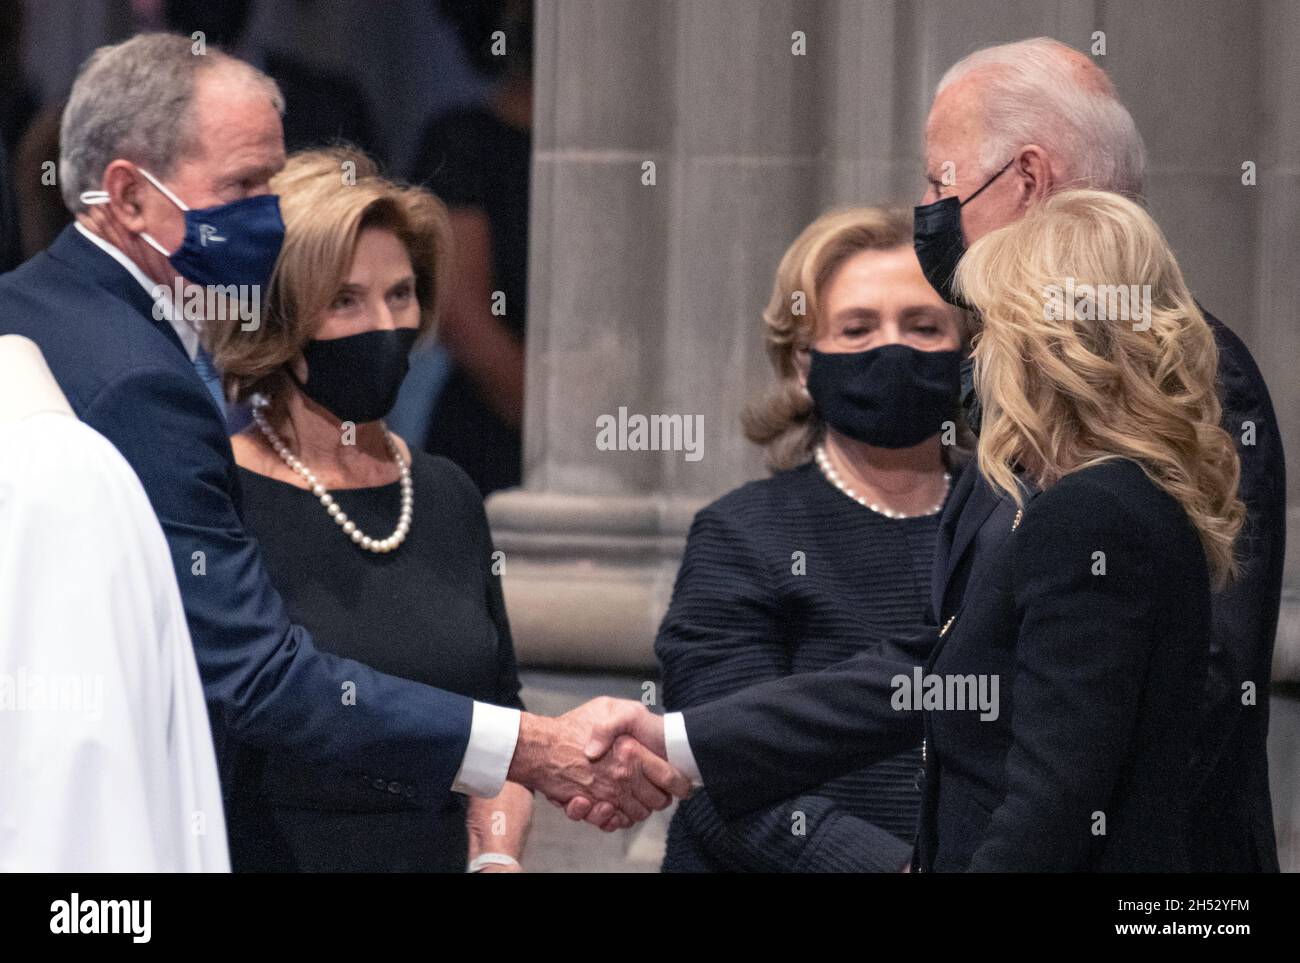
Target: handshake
<point x="604" y="762"/>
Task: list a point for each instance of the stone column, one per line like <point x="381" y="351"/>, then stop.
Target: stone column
<point x="679" y="147"/>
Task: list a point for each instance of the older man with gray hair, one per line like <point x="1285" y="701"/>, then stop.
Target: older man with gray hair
<point x="167" y="152"/>
<point x="1010" y="125"/>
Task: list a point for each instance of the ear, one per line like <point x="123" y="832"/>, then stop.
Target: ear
<point x="298" y="363"/>
<point x="126" y="191"/>
<point x="1033" y="170"/>
<point x="802" y="362"/>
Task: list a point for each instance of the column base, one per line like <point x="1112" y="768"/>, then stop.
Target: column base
<point x="588" y="578"/>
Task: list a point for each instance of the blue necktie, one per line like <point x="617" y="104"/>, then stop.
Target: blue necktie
<point x="208" y="372"/>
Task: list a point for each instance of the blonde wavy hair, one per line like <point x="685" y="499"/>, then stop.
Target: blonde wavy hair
<point x="327" y="198"/>
<point x="783" y="420"/>
<point x="1060" y="393"/>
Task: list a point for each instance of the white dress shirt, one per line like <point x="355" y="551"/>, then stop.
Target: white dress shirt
<point x="678" y="748"/>
<point x="160" y="293"/>
<point x="494" y="730"/>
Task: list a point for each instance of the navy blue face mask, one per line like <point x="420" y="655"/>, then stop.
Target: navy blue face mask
<point x="939" y="242"/>
<point x="235" y="243"/>
<point x="894" y="396"/>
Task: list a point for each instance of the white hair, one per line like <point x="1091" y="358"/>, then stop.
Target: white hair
<point x="133" y="100"/>
<point x="1029" y="94"/>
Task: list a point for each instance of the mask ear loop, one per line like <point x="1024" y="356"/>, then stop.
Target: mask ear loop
<point x="986" y="183"/>
<point x="95" y="198"/>
<point x="166" y="192"/>
<point x="171" y="197"/>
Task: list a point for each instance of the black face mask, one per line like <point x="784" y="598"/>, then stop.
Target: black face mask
<point x="357" y="378"/>
<point x="970" y="401"/>
<point x="893" y="396"/>
<point x="939" y="241"/>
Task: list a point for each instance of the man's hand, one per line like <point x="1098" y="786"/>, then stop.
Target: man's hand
<point x="592" y="759"/>
<point x="620" y="720"/>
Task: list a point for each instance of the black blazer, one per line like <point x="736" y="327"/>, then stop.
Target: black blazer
<point x="1092" y="613"/>
<point x="1232" y="811"/>
<point x="267" y="685"/>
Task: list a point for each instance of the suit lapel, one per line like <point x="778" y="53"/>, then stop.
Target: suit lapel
<point x="79" y="255"/>
<point x="947" y="531"/>
<point x="978" y="506"/>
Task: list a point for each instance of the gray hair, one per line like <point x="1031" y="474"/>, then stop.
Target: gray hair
<point x="133" y="100"/>
<point x="1030" y="95"/>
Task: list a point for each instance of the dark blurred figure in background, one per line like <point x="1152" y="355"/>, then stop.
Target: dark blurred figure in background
<point x="477" y="161"/>
<point x="18" y="104"/>
<point x="19" y="101"/>
<point x="321" y="106"/>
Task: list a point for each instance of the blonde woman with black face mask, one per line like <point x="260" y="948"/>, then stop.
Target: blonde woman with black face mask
<point x="1088" y="618"/>
<point x="833" y="552"/>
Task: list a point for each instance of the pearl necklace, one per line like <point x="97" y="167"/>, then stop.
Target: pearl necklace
<point x="379" y="546"/>
<point x="832" y="476"/>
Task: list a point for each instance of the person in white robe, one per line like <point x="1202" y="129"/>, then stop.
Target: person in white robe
<point x="106" y="758"/>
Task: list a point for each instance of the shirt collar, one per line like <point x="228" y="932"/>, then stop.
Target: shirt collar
<point x="160" y="293"/>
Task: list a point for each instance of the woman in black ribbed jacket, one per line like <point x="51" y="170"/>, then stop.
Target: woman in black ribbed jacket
<point x="834" y="550"/>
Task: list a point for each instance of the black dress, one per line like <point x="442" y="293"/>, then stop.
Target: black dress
<point x="431" y="611"/>
<point x="789" y="575"/>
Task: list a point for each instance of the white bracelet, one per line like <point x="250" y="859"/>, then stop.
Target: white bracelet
<point x="491" y="859"/>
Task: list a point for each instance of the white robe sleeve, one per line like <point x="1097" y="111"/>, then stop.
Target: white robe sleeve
<point x="104" y="741"/>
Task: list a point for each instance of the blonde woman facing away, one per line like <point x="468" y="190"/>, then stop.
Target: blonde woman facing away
<point x="1090" y="620"/>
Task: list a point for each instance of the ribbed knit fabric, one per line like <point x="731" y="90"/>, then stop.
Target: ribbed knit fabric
<point x="780" y="576"/>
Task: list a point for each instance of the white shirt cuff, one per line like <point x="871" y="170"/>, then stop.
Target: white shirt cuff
<point x="678" y="748"/>
<point x="493" y="732"/>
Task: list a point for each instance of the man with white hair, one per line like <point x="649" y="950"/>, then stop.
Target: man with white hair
<point x="167" y="150"/>
<point x="1010" y="125"/>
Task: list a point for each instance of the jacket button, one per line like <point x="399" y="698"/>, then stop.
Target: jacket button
<point x="410" y="792"/>
<point x="395" y="787"/>
<point x="378" y="784"/>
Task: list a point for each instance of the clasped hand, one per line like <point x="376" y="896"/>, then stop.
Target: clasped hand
<point x="603" y="762"/>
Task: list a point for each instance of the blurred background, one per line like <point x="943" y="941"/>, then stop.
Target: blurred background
<point x="625" y="175"/>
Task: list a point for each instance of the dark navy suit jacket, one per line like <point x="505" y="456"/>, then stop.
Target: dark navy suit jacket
<point x="128" y="377"/>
